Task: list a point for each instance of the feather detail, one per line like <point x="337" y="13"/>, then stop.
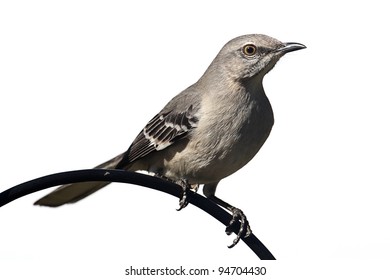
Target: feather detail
<point x="162" y="131"/>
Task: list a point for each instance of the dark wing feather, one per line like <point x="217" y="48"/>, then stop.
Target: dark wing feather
<point x="160" y="132"/>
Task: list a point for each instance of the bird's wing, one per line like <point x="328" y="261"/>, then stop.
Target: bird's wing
<point x="161" y="132"/>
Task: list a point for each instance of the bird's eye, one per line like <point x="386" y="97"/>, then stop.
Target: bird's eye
<point x="249" y="50"/>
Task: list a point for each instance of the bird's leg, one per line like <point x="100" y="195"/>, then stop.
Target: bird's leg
<point x="185" y="187"/>
<point x="238" y="216"/>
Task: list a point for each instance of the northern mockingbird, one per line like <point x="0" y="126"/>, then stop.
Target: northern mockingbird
<point x="208" y="131"/>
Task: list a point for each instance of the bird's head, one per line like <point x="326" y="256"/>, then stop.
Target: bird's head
<point x="251" y="55"/>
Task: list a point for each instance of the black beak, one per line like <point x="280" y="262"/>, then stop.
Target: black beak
<point x="290" y="47"/>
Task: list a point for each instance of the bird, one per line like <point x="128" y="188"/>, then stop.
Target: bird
<point x="205" y="133"/>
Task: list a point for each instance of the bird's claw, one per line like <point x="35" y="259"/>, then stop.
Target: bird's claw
<point x="244" y="230"/>
<point x="183" y="200"/>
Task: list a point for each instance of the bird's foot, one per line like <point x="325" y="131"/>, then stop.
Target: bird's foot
<point x="244" y="230"/>
<point x="185" y="187"/>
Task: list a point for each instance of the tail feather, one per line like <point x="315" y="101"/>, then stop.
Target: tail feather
<point x="72" y="193"/>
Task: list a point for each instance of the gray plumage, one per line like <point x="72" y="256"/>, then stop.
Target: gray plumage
<point x="208" y="131"/>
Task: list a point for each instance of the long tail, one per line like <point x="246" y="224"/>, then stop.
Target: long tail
<point x="72" y="193"/>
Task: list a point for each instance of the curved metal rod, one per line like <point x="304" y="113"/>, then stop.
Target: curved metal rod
<point x="121" y="176"/>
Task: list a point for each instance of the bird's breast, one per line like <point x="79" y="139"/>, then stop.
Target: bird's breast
<point x="228" y="136"/>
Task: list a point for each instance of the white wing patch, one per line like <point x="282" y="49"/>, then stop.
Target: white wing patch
<point x="162" y="131"/>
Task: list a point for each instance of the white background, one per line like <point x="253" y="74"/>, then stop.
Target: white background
<point x="79" y="80"/>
